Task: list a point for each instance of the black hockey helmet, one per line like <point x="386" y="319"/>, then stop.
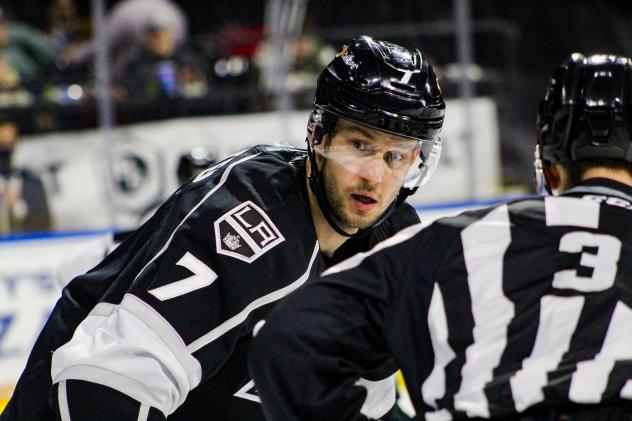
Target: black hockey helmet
<point x="586" y="112"/>
<point x="194" y="162"/>
<point x="386" y="87"/>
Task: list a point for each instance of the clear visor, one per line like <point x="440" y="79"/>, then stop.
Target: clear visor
<point x="392" y="160"/>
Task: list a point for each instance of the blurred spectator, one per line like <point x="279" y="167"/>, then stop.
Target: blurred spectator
<point x="25" y="55"/>
<point x="307" y="56"/>
<point x="310" y="56"/>
<point x="9" y="77"/>
<point x="163" y="68"/>
<point x="23" y="203"/>
<point x="67" y="30"/>
<point x="126" y="29"/>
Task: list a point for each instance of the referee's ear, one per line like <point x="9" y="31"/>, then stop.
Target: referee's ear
<point x="553" y="177"/>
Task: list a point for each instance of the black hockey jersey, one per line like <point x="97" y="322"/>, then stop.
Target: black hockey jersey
<point x="523" y="305"/>
<point x="167" y="317"/>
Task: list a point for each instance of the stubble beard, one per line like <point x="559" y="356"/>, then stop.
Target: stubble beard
<point x="337" y="199"/>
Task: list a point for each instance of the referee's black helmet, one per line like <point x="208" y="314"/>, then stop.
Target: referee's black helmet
<point x="587" y="111"/>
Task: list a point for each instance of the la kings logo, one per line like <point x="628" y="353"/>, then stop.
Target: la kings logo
<point x="246" y="233"/>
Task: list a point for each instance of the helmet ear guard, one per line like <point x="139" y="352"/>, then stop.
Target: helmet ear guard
<point x="319" y="124"/>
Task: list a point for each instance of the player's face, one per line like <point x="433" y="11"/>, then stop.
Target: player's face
<point x="363" y="170"/>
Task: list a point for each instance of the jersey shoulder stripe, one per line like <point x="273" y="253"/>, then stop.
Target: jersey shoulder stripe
<point x="222" y="180"/>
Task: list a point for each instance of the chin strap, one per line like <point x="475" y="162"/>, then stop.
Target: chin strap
<point x="323" y="203"/>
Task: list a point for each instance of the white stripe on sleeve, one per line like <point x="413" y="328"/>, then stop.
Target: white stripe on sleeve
<point x="239" y="318"/>
<point x="62" y="398"/>
<point x="133" y="349"/>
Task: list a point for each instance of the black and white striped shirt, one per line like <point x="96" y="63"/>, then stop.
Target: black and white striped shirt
<point x="487" y="313"/>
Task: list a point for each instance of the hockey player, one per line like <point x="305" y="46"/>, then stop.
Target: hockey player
<point x="521" y="311"/>
<point x="160" y="328"/>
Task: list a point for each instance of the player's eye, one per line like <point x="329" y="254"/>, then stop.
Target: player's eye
<point x="361" y="147"/>
<point x="356" y="144"/>
<point x="394" y="159"/>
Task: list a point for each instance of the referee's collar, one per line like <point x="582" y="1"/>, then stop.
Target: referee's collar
<point x="605" y="186"/>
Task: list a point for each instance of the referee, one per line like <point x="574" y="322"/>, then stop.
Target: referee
<point x="522" y="311"/>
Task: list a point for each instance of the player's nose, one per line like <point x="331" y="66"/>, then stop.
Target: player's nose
<point x="373" y="171"/>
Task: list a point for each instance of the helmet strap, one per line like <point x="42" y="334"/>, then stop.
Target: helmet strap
<point x="315" y="180"/>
